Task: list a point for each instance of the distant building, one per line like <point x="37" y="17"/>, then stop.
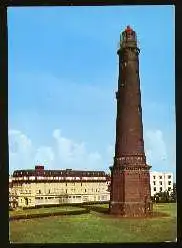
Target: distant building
<point x="160" y="182"/>
<point x="10" y="191"/>
<point x="45" y="187"/>
<point x="12" y="197"/>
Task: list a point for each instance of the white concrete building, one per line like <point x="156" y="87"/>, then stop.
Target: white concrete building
<point x="161" y="181"/>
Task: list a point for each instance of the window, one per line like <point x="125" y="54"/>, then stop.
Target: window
<point x="154" y="177"/>
<point x="81" y="184"/>
<point x="49" y="191"/>
<point x="154" y="188"/>
<point x="39" y="191"/>
<point x="160" y="188"/>
<point x="160" y="177"/>
<point x="169" y="177"/>
<point x="139" y="108"/>
<point x="66" y="190"/>
<point x="169" y="182"/>
<point x="66" y="184"/>
<point x="160" y="183"/>
<point x="85" y="190"/>
<point x="169" y="188"/>
<point x="154" y="182"/>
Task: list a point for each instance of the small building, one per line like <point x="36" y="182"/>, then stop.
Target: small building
<point x="160" y="182"/>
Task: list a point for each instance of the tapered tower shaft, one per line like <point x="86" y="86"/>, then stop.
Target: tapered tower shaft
<point x="130" y="181"/>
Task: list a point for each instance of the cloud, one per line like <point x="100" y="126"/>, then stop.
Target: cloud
<point x="20" y="149"/>
<point x="75" y="155"/>
<point x="156" y="150"/>
<point x="44" y="155"/>
<point x="67" y="153"/>
<point x="110" y="154"/>
<point x="64" y="153"/>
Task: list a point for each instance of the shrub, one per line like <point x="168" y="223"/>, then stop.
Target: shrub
<point x="40" y="215"/>
<point x="163" y="197"/>
<point x="82" y="204"/>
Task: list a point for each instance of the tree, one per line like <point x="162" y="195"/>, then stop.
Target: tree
<point x="162" y="197"/>
<point x="173" y="194"/>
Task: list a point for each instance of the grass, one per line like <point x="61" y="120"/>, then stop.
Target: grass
<point x="94" y="227"/>
<point x="43" y="210"/>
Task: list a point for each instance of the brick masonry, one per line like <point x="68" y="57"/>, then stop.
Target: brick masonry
<point x="130" y="179"/>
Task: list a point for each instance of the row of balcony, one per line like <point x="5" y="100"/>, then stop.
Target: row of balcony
<point x="60" y="178"/>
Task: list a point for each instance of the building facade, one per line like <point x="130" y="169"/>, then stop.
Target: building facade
<point x="12" y="197"/>
<point x="130" y="179"/>
<point x="44" y="187"/>
<point x="160" y="182"/>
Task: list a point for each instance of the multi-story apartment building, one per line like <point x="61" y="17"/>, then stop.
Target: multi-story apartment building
<point x="161" y="181"/>
<point x="40" y="187"/>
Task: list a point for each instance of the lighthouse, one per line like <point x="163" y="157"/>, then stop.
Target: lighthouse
<point x="130" y="178"/>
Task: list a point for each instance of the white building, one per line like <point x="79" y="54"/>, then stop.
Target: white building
<point x="161" y="181"/>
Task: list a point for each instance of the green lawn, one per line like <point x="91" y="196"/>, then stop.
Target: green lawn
<point x="96" y="227"/>
<point x="44" y="210"/>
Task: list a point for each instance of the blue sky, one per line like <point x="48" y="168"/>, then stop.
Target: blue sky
<point x="63" y="72"/>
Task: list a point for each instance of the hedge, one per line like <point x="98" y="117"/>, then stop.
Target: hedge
<point x="95" y="202"/>
<point x="82" y="204"/>
<point x="40" y="215"/>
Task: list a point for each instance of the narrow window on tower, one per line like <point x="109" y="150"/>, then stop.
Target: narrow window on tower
<point x="139" y="108"/>
<point x="141" y="141"/>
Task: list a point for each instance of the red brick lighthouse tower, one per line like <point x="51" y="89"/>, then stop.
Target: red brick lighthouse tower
<point x="130" y="179"/>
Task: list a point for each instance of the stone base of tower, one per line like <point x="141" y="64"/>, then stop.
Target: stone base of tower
<point x="132" y="209"/>
<point x="130" y="191"/>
